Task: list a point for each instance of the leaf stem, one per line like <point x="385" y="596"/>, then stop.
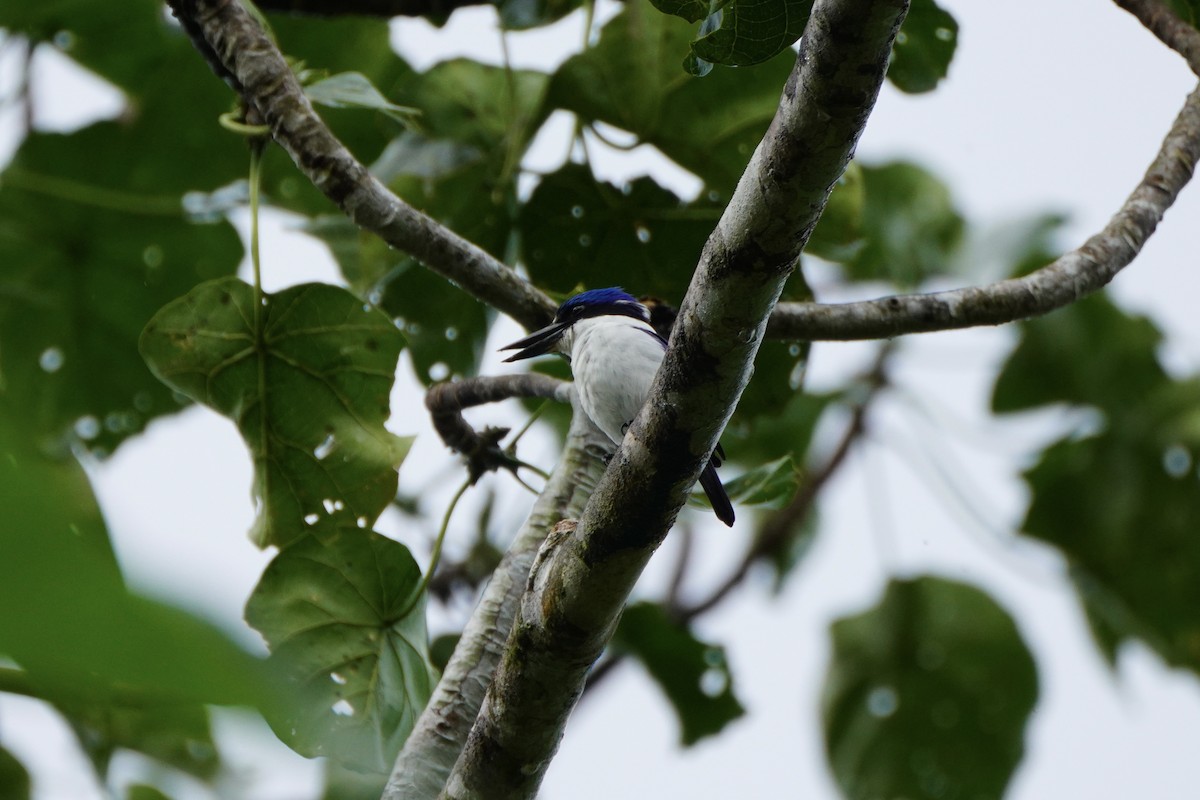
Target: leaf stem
<point x="436" y="555"/>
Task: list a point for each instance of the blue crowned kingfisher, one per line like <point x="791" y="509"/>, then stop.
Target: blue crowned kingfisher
<point x="614" y="354"/>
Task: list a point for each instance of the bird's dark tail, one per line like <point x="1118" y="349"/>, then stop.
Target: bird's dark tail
<point x="716" y="492"/>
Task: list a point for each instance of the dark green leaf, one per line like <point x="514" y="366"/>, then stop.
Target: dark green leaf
<point x="576" y="231"/>
<point x="923" y="48"/>
<point x="752" y="31"/>
<point x="68" y="619"/>
<point x="355" y="90"/>
<point x="691" y="10"/>
<point x="1090" y="353"/>
<point x="177" y="734"/>
<point x="839" y="231"/>
<point x="1122" y="505"/>
<point x="694" y="676"/>
<point x="785" y="430"/>
<point x="142" y="791"/>
<point x="14" y="778"/>
<point x="307" y="380"/>
<point x="445" y="328"/>
<point x="770" y="485"/>
<point x="928" y="695"/>
<point x="911" y="228"/>
<point x="342" y="619"/>
<point x="494" y="109"/>
<point x="86" y="264"/>
<point x="631" y="79"/>
<point x="519" y="15"/>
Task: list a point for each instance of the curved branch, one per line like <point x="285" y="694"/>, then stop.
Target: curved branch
<point x="1080" y="272"/>
<point x="577" y="591"/>
<point x="446" y="402"/>
<point x="245" y="57"/>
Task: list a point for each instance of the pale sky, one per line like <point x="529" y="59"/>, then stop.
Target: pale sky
<point x="1049" y="107"/>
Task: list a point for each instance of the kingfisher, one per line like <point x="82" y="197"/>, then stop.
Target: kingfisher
<point x="614" y="353"/>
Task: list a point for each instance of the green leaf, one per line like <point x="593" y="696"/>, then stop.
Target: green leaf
<point x="631" y="79"/>
<point x="494" y="109"/>
<point x="839" y="231"/>
<point x="576" y="230"/>
<point x="69" y="621"/>
<point x="928" y="695"/>
<point x="14" y="778"/>
<point x="923" y="48"/>
<point x="355" y="90"/>
<point x="786" y="430"/>
<point x="307" y="380"/>
<point x="177" y="734"/>
<point x="694" y="676"/>
<point x="1122" y="505"/>
<point x="520" y="15"/>
<point x="911" y="228"/>
<point x="341" y="619"/>
<point x="770" y="485"/>
<point x="445" y="328"/>
<point x="746" y="32"/>
<point x="86" y="264"/>
<point x="142" y="791"/>
<point x="1090" y="354"/>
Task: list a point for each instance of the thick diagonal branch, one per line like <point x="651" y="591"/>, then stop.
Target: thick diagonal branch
<point x="246" y="57"/>
<point x="579" y="590"/>
<point x="440" y="733"/>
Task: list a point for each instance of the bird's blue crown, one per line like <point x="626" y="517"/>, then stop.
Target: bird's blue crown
<point x="596" y="302"/>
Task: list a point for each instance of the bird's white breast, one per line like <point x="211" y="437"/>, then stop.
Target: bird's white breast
<point x="614" y="360"/>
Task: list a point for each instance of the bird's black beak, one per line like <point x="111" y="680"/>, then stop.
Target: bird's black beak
<point x="538" y="342"/>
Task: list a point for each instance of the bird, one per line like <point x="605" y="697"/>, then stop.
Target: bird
<point x="614" y="354"/>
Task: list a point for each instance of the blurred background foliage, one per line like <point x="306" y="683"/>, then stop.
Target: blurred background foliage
<point x="121" y="227"/>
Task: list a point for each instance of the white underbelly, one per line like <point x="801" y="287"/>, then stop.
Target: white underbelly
<point x="613" y="379"/>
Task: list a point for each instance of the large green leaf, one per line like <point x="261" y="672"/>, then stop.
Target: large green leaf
<point x="1090" y="353"/>
<point x="928" y="695"/>
<point x="694" y="676"/>
<point x="14" y="778"/>
<point x="307" y="378"/>
<point x="177" y="734"/>
<point x="68" y="619"/>
<point x="343" y="620"/>
<point x="769" y="485"/>
<point x="576" y="231"/>
<point x="911" y="228"/>
<point x="1123" y="507"/>
<point x="631" y="79"/>
<point x="923" y="48"/>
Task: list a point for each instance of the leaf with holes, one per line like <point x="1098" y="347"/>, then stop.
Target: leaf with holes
<point x="695" y="676"/>
<point x="307" y="379"/>
<point x="928" y="695"/>
<point x="342" y="618"/>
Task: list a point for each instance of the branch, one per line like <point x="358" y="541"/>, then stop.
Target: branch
<point x="1076" y="274"/>
<point x="441" y="731"/>
<point x="1164" y="23"/>
<point x="577" y="591"/>
<point x="446" y="401"/>
<point x="223" y="31"/>
<point x="370" y="8"/>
